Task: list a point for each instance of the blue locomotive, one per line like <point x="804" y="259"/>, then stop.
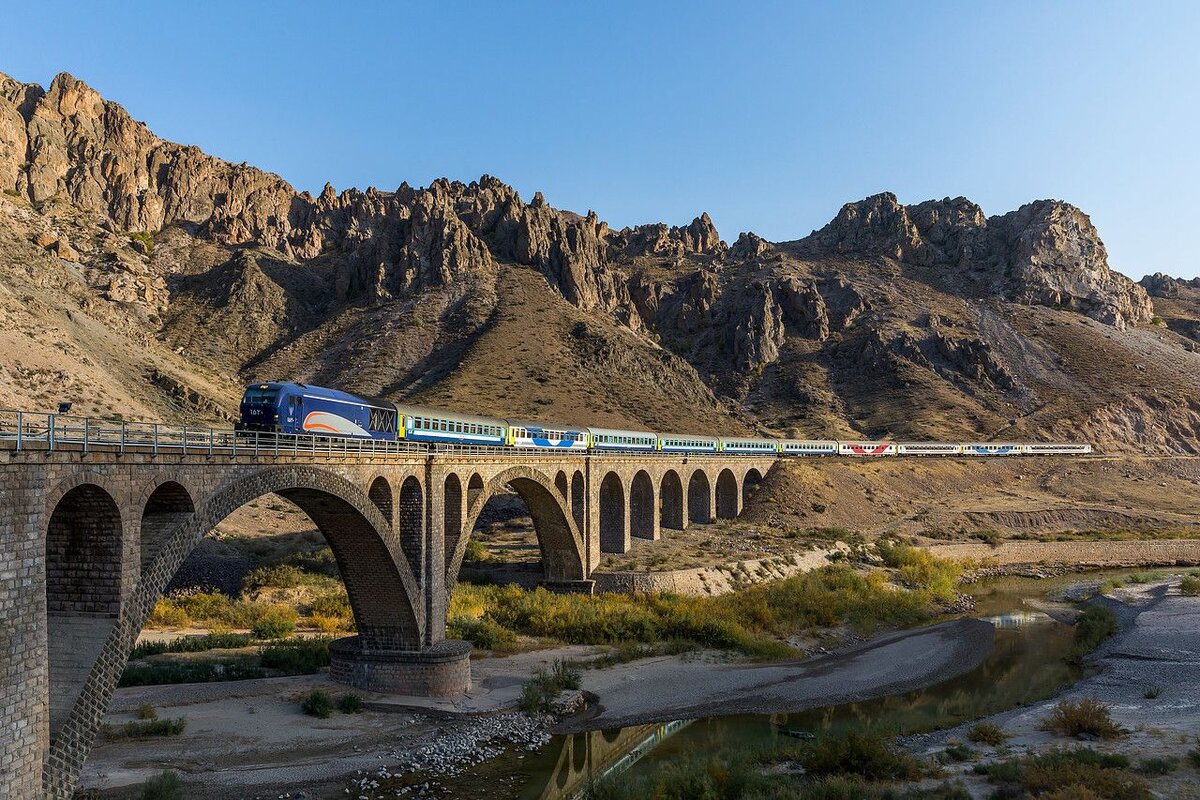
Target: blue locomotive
<point x="297" y="408"/>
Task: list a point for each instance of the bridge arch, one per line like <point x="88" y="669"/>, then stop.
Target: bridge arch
<point x="728" y="497"/>
<point x="613" y="508"/>
<point x="380" y="494"/>
<point x="474" y="489"/>
<point x="750" y="483"/>
<point x="643" y="507"/>
<point x="671" y="496"/>
<point x="410" y="525"/>
<point x="453" y="512"/>
<point x="383" y="594"/>
<point x="699" y="498"/>
<point x="560" y="483"/>
<point x="166" y="507"/>
<point x="558" y="536"/>
<point x="578" y="497"/>
<point x="85" y="539"/>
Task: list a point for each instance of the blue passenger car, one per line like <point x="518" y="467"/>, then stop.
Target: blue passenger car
<point x="523" y="433"/>
<point x="298" y="408"/>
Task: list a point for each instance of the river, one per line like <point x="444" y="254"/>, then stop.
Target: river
<point x="1027" y="664"/>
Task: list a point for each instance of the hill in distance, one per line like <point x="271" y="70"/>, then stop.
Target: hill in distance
<point x="144" y="277"/>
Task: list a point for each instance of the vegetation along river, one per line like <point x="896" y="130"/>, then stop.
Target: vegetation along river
<point x="1029" y="663"/>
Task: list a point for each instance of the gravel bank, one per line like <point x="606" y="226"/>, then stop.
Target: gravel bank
<point x="1157" y="652"/>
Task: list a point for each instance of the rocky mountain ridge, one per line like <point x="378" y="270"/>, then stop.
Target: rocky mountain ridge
<point x="891" y="319"/>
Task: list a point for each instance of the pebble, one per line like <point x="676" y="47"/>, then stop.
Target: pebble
<point x="456" y="750"/>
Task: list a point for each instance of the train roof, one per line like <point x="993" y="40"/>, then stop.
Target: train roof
<point x="323" y="391"/>
<point x="442" y="413"/>
<point x="688" y="436"/>
<point x="619" y="432"/>
<point x="553" y="426"/>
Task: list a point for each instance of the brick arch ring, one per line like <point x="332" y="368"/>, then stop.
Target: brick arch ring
<point x="383" y="593"/>
<point x="559" y="537"/>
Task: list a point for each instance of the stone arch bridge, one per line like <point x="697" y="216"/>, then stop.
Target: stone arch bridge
<point x="91" y="537"/>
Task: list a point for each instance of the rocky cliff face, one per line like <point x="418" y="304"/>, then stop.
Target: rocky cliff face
<point x="1047" y="252"/>
<point x="931" y="318"/>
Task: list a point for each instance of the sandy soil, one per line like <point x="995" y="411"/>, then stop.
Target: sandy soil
<point x="1159" y="647"/>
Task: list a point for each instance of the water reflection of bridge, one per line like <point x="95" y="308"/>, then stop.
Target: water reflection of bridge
<point x="593" y="755"/>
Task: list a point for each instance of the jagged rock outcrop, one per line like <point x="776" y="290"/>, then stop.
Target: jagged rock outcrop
<point x="749" y="245"/>
<point x="700" y="237"/>
<point x="1162" y="285"/>
<point x="1055" y="258"/>
<point x="1046" y="252"/>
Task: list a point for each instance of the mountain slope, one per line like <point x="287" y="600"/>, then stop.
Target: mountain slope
<point x="163" y="277"/>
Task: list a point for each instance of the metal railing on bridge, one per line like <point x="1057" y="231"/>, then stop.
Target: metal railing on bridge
<point x="33" y="430"/>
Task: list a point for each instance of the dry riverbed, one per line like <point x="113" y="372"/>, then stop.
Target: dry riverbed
<point x="1157" y="653"/>
<point x="250" y="738"/>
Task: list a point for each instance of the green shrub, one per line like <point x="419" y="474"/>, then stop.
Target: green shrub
<point x="989" y="537"/>
<point x="350" y="703"/>
<point x="987" y="733"/>
<point x="1189" y="586"/>
<point x="163" y="786"/>
<point x="957" y="753"/>
<point x="297" y="656"/>
<point x="753" y="621"/>
<point x="146" y="711"/>
<point x="485" y="633"/>
<point x="331" y="604"/>
<point x="1066" y="774"/>
<point x="533" y="699"/>
<point x="279" y="576"/>
<point x="476" y="553"/>
<point x="1158" y="766"/>
<point x="539" y="694"/>
<point x="868" y="756"/>
<point x="1094" y="625"/>
<point x="141" y="729"/>
<point x="189" y="672"/>
<point x="1084" y="717"/>
<point x="1193" y="756"/>
<point x="192" y="644"/>
<point x="145" y="237"/>
<point x="920" y="568"/>
<point x="315" y="562"/>
<point x="317" y="704"/>
<point x="1151" y="692"/>
<point x="565" y="675"/>
<point x="275" y="624"/>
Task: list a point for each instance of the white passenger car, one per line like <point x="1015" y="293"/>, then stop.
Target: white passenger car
<point x="867" y="448"/>
<point x="929" y="448"/>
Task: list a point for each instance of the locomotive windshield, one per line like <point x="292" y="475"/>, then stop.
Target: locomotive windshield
<point x="258" y="396"/>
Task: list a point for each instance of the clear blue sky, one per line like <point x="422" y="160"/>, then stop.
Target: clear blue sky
<point x="769" y="118"/>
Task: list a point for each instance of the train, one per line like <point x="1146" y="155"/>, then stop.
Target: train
<point x="296" y="408"/>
